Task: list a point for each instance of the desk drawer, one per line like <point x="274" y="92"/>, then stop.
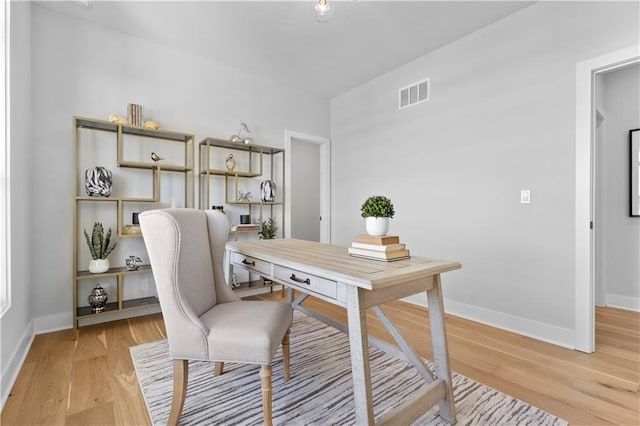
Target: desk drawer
<point x="251" y="263"/>
<point x="307" y="282"/>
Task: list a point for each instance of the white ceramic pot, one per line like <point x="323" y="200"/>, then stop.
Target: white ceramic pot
<point x="377" y="226"/>
<point x="99" y="266"/>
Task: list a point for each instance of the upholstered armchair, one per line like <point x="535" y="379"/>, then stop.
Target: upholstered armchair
<point x="204" y="318"/>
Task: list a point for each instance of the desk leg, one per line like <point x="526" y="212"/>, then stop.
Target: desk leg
<point x="359" y="346"/>
<point x="440" y="349"/>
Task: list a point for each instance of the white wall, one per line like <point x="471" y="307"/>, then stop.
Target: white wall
<point x="501" y="118"/>
<point x="622" y="236"/>
<point x="16" y="322"/>
<point x="81" y="69"/>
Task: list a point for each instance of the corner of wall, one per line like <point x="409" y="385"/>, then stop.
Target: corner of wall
<point x="12" y="368"/>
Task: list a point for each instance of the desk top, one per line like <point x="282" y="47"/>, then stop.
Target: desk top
<point x="334" y="262"/>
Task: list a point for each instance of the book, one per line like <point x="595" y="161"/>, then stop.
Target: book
<point x="131" y="230"/>
<point x="380" y="260"/>
<point x="383" y="240"/>
<point x="245" y="227"/>
<point x="378" y="247"/>
<point x="379" y="254"/>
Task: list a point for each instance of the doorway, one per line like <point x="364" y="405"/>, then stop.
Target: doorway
<point x="585" y="244"/>
<point x="307" y="183"/>
<point x="305" y="190"/>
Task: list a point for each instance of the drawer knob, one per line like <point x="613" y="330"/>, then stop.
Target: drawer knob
<point x="249" y="263"/>
<point x="299" y="280"/>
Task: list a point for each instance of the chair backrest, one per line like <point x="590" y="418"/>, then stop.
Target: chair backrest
<point x="181" y="256"/>
<point x="218" y="226"/>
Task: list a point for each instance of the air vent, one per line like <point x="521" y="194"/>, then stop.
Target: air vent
<point x="415" y="93"/>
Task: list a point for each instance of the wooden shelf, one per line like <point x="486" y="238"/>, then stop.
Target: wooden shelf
<point x="218" y="172"/>
<point x="112" y="272"/>
<point x="222" y="143"/>
<point x="125" y="199"/>
<point x="84" y="311"/>
<point x="254" y="203"/>
<point x="250" y="231"/>
<point x="99" y="199"/>
<point x="152" y="166"/>
<point x="92" y="123"/>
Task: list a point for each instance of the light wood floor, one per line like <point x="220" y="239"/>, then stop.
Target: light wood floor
<point x="92" y="381"/>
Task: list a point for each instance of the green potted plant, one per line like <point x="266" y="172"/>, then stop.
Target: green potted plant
<point x="377" y="210"/>
<point x="268" y="229"/>
<point x="100" y="246"/>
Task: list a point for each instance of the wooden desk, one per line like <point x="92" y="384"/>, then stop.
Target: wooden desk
<point x="329" y="273"/>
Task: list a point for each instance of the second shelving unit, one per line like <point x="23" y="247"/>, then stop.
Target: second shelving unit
<point x="230" y="176"/>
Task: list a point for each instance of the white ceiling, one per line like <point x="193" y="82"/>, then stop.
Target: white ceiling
<point x="281" y="40"/>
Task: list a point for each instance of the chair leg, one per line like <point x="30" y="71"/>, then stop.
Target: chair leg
<point x="265" y="377"/>
<point x="218" y="368"/>
<point x="180" y="379"/>
<point x="285" y="356"/>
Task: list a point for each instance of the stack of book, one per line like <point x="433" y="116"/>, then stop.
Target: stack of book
<point x="245" y="227"/>
<point x="135" y="115"/>
<point x="387" y="248"/>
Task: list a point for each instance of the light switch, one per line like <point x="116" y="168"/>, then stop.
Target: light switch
<point x="525" y="196"/>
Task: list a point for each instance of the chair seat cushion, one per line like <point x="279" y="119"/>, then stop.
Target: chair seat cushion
<point x="246" y="331"/>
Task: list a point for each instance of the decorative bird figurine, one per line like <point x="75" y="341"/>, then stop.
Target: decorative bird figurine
<point x="155" y="157"/>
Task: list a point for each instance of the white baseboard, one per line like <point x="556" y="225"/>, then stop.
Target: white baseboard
<point x="10" y="372"/>
<point x="564" y="337"/>
<point x="623" y="302"/>
<point x="51" y="323"/>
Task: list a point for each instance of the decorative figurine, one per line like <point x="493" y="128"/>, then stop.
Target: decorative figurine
<point x="230" y="163"/>
<point x="117" y="119"/>
<point x="153" y="125"/>
<point x="97" y="299"/>
<point x="244" y="135"/>
<point x="133" y="263"/>
<point x="155" y="157"/>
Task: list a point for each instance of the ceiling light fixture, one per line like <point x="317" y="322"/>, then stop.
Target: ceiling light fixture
<point x="323" y="11"/>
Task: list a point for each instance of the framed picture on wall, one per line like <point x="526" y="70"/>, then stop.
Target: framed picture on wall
<point x="634" y="172"/>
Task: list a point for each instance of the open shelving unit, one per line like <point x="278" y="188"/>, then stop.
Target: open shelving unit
<point x="93" y="144"/>
<point x="219" y="185"/>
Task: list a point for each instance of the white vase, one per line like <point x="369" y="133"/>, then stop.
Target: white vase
<point x="377" y="226"/>
<point x="99" y="266"/>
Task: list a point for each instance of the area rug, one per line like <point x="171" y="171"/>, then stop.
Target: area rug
<point x="320" y="389"/>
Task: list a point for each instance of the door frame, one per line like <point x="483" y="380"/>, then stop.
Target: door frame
<point x="324" y="145"/>
<point x="586" y="72"/>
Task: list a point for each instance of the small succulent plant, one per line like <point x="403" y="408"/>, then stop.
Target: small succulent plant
<point x="100" y="245"/>
<point x="377" y="206"/>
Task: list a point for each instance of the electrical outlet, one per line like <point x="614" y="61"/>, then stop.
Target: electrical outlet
<point x="144" y="285"/>
<point x="525" y="196"/>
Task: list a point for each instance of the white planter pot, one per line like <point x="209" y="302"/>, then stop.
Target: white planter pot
<point x="377" y="226"/>
<point x="99" y="266"/>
